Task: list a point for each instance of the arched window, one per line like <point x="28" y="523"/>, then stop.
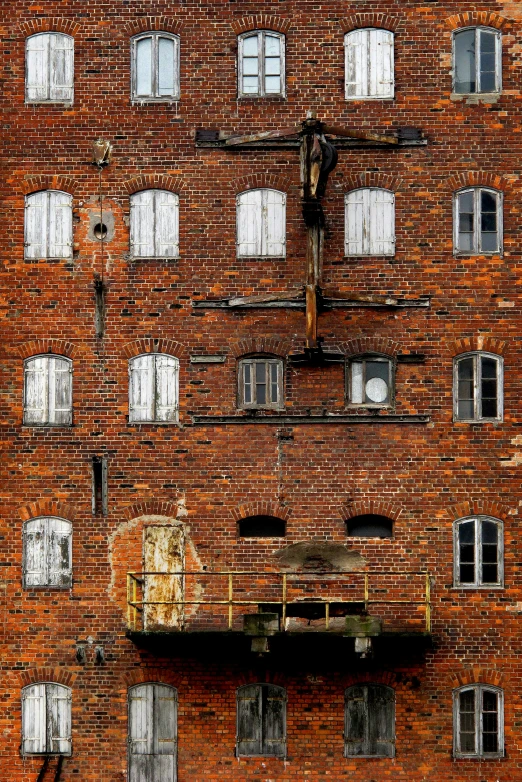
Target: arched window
<point x="261" y="223"/>
<point x="262" y="527"/>
<point x="48" y="391"/>
<point x="369" y="222"/>
<point x="48" y="225"/>
<point x="261" y="383"/>
<point x="261" y="720"/>
<point x="49" y="68"/>
<point x="369" y="525"/>
<point x="154" y="224"/>
<point x="478" y="722"/>
<point x="47" y="557"/>
<point x="478" y="387"/>
<point x="153" y="388"/>
<point x="370" y="381"/>
<point x="369" y="721"/>
<point x="153" y="733"/>
<point x="477" y="60"/>
<point x="478" y="221"/>
<point x="261" y="64"/>
<point x="155" y="67"/>
<point x="46" y="719"/>
<point x="478" y="552"/>
<point x="369" y="64"/>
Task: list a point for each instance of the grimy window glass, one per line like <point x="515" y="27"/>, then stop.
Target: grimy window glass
<point x="478" y="552"/>
<point x="478" y="218"/>
<point x="261" y="64"/>
<point x="370" y="381"/>
<point x="478" y="722"/>
<point x="478" y="387"/>
<point x="155" y="67"/>
<point x="477" y="61"/>
<point x="261" y="383"/>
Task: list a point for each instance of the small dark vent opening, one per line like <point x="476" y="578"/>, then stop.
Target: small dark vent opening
<point x="262" y="527"/>
<point x="369" y="526"/>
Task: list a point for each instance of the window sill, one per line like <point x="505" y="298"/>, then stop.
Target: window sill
<point x="261" y="257"/>
<point x="479" y="588"/>
<point x="478" y="421"/>
<point x="67" y="104"/>
<point x="154" y="423"/>
<point x="368" y="257"/>
<point x="277" y="98"/>
<point x="133" y="258"/>
<point x="354" y="407"/>
<point x="479" y="758"/>
<point x="482" y="254"/>
<point x="364" y="98"/>
<point x="140" y="101"/>
<point x="47" y="426"/>
<point x="474" y="98"/>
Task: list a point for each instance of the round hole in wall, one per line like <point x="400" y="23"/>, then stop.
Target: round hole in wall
<point x="100" y="231"/>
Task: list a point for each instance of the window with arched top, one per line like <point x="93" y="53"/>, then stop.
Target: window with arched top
<point x="46" y="719"/>
<point x="478" y="721"/>
<point x="262" y="526"/>
<point x="48" y="391"/>
<point x="155" y="67"/>
<point x="478" y="221"/>
<point x="478" y="552"/>
<point x="153" y="388"/>
<point x="47" y="552"/>
<point x="154" y="224"/>
<point x="260" y="383"/>
<point x="369" y="525"/>
<point x="48" y="225"/>
<point x="477" y="60"/>
<point x="478" y="387"/>
<point x="369" y="222"/>
<point x="153" y="733"/>
<point x="369" y="64"/>
<point x="370" y="380"/>
<point x="369" y="721"/>
<point x="49" y="68"/>
<point x="261" y="223"/>
<point x="261" y="720"/>
<point x="261" y="64"/>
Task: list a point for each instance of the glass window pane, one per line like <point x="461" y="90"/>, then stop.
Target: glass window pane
<point x="250" y="85"/>
<point x="272" y="85"/>
<point x="272" y="66"/>
<point x="466" y="202"/>
<point x="488" y="221"/>
<point x="272" y="46"/>
<point x="465" y="410"/>
<point x="489" y="242"/>
<point x="250" y="45"/>
<point x="489" y="574"/>
<point x="467" y="532"/>
<point x="250" y="66"/>
<point x="489" y="532"/>
<point x="489" y="367"/>
<point x="466" y="243"/>
<point x="260" y="370"/>
<point x="488" y="201"/>
<point x="465" y="62"/>
<point x="489" y="408"/>
<point x="356" y="395"/>
<point x="166" y="53"/>
<point x="144" y="67"/>
<point x="377" y="382"/>
<point x="273" y="381"/>
<point x="467" y="574"/>
<point x="247" y="379"/>
<point x="466" y="222"/>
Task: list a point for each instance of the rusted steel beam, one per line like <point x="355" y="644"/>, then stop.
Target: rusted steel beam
<point x="337" y="130"/>
<point x="266" y="134"/>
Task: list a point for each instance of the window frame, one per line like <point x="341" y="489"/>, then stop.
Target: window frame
<point x="67" y="573"/>
<point x="369" y="239"/>
<point x="48" y="410"/>
<point x="155" y="36"/>
<point x="477" y="376"/>
<point x="390" y="741"/>
<point x="46" y="240"/>
<point x="268" y="361"/>
<point x="478" y="690"/>
<point x="156" y="237"/>
<point x="477" y="213"/>
<point x="263" y="690"/>
<point x="498" y="59"/>
<point x="364" y="358"/>
<point x="48" y="721"/>
<point x="368" y="95"/>
<point x="47" y="34"/>
<point x="154" y="387"/>
<point x="261" y="34"/>
<point x="477" y="553"/>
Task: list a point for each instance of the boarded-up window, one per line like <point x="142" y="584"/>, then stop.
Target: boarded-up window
<point x="48" y="225"/>
<point x="370" y="381"/>
<point x="369" y="64"/>
<point x="48" y="391"/>
<point x="153" y="724"/>
<point x="153" y="388"/>
<point x="477" y="55"/>
<point x="46" y="719"/>
<point x="369" y="721"/>
<point x="49" y="74"/>
<point x="261" y="720"/>
<point x="261" y="68"/>
<point x="261" y="223"/>
<point x="478" y="221"/>
<point x="163" y="587"/>
<point x="478" y="382"/>
<point x="47" y="552"/>
<point x="478" y="553"/>
<point x="261" y="383"/>
<point x="155" y="67"/>
<point x="154" y="226"/>
<point x="478" y="719"/>
<point x="370" y="222"/>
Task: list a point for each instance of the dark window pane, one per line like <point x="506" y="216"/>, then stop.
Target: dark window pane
<point x="466" y="202"/>
<point x="489" y="700"/>
<point x="489" y="532"/>
<point x="260" y="383"/>
<point x="247" y="376"/>
<point x="489" y="222"/>
<point x="466" y="222"/>
<point x="487" y="41"/>
<point x="465" y="410"/>
<point x="489" y="408"/>
<point x="467" y="532"/>
<point x="489" y="574"/>
<point x="465" y="61"/>
<point x="488" y="81"/>
<point x="490" y="742"/>
<point x="467" y="574"/>
<point x="488" y="201"/>
<point x="489" y="242"/>
<point x="489" y="368"/>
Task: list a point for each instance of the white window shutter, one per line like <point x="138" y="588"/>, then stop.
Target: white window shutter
<point x="34" y="734"/>
<point x="36" y="67"/>
<point x="142" y="224"/>
<point x="381" y="218"/>
<point x="141" y="388"/>
<point x="60" y="224"/>
<point x="59" y="552"/>
<point x="166" y="381"/>
<point x="60" y="391"/>
<point x="59" y="719"/>
<point x="381" y="58"/>
<point x="61" y="67"/>
<point x="356" y="64"/>
<point x="274" y="223"/>
<point x="36" y="391"/>
<point x="35" y="552"/>
<point x="141" y="726"/>
<point x="355" y="222"/>
<point x="249" y="223"/>
<point x="36" y="225"/>
<point x="167" y="224"/>
<point x="165" y="720"/>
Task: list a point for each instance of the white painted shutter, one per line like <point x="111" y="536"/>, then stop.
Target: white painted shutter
<point x="356" y="64"/>
<point x="381" y="59"/>
<point x="141" y="388"/>
<point x="141" y="726"/>
<point x="167" y="368"/>
<point x="34" y="733"/>
<point x="35" y="552"/>
<point x="60" y="224"/>
<point x="36" y="390"/>
<point x="59" y="552"/>
<point x="355" y="222"/>
<point x="274" y="223"/>
<point x="36" y="67"/>
<point x="167" y="224"/>
<point x="59" y="719"/>
<point x="60" y="391"/>
<point x="61" y="67"/>
<point x="142" y="224"/>
<point x="380" y="209"/>
<point x="36" y="225"/>
<point x="249" y="223"/>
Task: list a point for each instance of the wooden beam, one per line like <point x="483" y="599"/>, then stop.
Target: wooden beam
<point x="337" y="130"/>
<point x="266" y="134"/>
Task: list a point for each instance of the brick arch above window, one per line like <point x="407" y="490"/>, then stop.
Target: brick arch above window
<point x="388" y="678"/>
<point x="154" y="182"/>
<point x="372" y="179"/>
<point x="479" y="179"/>
<point x="350" y="510"/>
<point x="49" y="182"/>
<point x="466" y="509"/>
<point x="261" y="22"/>
<point x="362" y="345"/>
<point x="367" y="20"/>
<point x="476" y="19"/>
<point x="261" y="180"/>
<point x="261" y="509"/>
<point x="145" y="24"/>
<point x="47" y="508"/>
<point x="52" y="24"/>
<point x="252" y="676"/>
<point x="150" y="675"/>
<point x="150" y="507"/>
<point x="478" y="343"/>
<point x="274" y="346"/>
<point x="41" y="347"/>
<point x="149" y="345"/>
<point x="476" y="675"/>
<point x="53" y="675"/>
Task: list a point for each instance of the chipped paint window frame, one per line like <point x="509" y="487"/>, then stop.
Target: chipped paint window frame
<point x="369" y="222"/>
<point x="357" y="381"/>
<point x="472" y="549"/>
<point x="475" y="64"/>
<point x="261" y="71"/>
<point x="249" y="380"/>
<point x="48" y="225"/>
<point x="369" y="56"/>
<point x="471" y="720"/>
<point x="154" y="95"/>
<point x="470" y="390"/>
<point x="475" y="222"/>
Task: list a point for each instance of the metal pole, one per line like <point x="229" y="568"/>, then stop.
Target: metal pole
<point x="428" y="603"/>
<point x="230" y="604"/>
<point x="284" y="601"/>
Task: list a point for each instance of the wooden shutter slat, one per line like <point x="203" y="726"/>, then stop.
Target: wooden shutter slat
<point x="249" y="223"/>
<point x="355" y="721"/>
<point x="36" y="76"/>
<point x="167" y="370"/>
<point x="274" y="721"/>
<point x="141" y="388"/>
<point x="36" y="225"/>
<point x="60" y="391"/>
<point x="249" y="720"/>
<point x="60" y="224"/>
<point x="381" y="721"/>
<point x="35" y="554"/>
<point x="61" y="67"/>
<point x="36" y="391"/>
<point x="167" y="224"/>
<point x="59" y="552"/>
<point x="356" y="64"/>
<point x="141" y="724"/>
<point x="380" y="222"/>
<point x="274" y="228"/>
<point x="142" y="225"/>
<point x="34" y="719"/>
<point x="355" y="225"/>
<point x="381" y="64"/>
<point x="58" y="718"/>
<point x="165" y="720"/>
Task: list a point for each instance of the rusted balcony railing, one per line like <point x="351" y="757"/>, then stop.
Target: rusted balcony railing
<point x="192" y="601"/>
